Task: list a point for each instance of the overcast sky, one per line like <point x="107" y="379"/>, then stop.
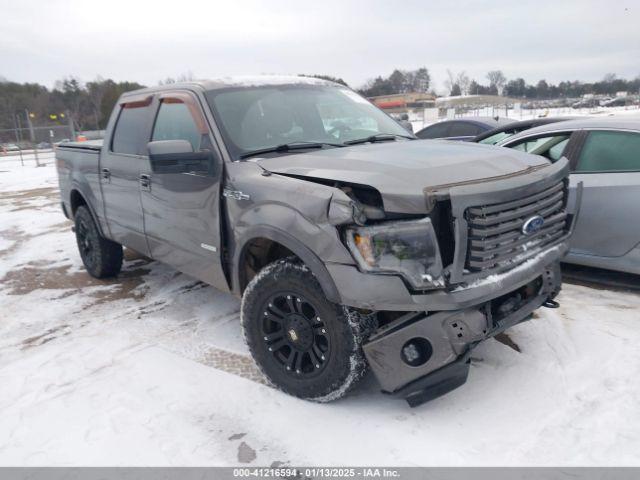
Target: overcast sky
<point x="149" y="41"/>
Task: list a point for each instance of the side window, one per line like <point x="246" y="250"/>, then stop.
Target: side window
<point x="439" y="130"/>
<point x="129" y="133"/>
<point x="175" y="122"/>
<point x="464" y="129"/>
<point x="551" y="147"/>
<point x="495" y="138"/>
<point x="610" y="152"/>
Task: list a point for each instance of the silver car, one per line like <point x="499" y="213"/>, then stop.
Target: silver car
<point x="604" y="154"/>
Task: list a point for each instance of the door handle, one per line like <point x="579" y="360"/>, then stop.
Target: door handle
<point x="145" y="181"/>
<point x="105" y="173"/>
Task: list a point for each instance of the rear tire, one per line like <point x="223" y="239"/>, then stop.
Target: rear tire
<point x="304" y="344"/>
<point x="101" y="257"/>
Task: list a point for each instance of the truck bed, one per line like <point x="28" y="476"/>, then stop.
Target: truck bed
<point x="91" y="145"/>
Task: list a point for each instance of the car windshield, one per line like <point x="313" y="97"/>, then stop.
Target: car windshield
<point x="257" y="118"/>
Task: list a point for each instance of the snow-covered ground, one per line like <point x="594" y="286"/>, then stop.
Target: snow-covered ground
<point x="150" y="369"/>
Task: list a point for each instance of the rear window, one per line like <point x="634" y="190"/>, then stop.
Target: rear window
<point x="130" y="129"/>
<point x="610" y="152"/>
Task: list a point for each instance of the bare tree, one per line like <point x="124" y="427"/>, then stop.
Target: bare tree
<point x="186" y="76"/>
<point x="450" y="81"/>
<point x="497" y="79"/>
<point x="183" y="77"/>
<point x="96" y="91"/>
<point x="464" y="82"/>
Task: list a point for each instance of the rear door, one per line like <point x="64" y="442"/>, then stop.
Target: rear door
<point x="438" y="130"/>
<point x="181" y="210"/>
<point x="121" y="163"/>
<point x="608" y="165"/>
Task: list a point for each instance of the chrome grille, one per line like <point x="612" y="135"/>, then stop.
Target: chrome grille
<point x="495" y="236"/>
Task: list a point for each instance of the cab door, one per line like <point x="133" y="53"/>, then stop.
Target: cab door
<point x="181" y="198"/>
<point x="122" y="161"/>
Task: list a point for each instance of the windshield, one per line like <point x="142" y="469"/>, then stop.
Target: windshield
<point x="254" y="118"/>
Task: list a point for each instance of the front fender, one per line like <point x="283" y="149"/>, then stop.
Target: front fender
<point x="305" y="254"/>
<point x="290" y="211"/>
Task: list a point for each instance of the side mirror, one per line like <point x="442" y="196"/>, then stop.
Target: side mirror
<point x="177" y="156"/>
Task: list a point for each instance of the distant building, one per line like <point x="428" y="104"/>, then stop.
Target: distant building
<point x="401" y="102"/>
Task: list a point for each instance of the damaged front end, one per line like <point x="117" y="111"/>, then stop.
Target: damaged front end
<point x="509" y="267"/>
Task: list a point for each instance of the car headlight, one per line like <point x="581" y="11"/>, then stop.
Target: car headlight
<point x="409" y="248"/>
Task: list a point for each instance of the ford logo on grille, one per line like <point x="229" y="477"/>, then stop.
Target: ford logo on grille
<point x="532" y="225"/>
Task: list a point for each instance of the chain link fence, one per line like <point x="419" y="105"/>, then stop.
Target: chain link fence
<point x="32" y="145"/>
<point x="28" y="138"/>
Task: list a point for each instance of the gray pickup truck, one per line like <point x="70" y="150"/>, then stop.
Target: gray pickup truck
<point x="351" y="244"/>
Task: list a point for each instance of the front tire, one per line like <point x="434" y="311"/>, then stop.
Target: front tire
<point x="304" y="344"/>
<point x="101" y="257"/>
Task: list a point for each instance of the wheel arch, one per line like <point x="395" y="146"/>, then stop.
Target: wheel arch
<point x="78" y="199"/>
<point x="280" y="239"/>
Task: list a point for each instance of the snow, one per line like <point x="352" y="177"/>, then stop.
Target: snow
<point x="151" y="369"/>
<point x="418" y="122"/>
<point x="258" y="80"/>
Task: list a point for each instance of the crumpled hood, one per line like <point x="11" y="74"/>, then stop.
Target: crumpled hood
<point x="403" y="171"/>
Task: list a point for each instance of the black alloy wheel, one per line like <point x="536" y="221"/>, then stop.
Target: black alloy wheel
<point x="303" y="343"/>
<point x="295" y="334"/>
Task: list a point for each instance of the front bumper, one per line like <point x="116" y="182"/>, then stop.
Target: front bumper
<point x="439" y="344"/>
<point x="389" y="292"/>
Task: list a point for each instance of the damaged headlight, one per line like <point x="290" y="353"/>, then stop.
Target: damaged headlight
<point x="409" y="248"/>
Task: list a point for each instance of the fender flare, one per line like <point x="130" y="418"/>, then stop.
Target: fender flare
<point x="303" y="252"/>
<point x="76" y="187"/>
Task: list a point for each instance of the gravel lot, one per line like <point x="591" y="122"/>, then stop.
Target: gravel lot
<point x="150" y="369"/>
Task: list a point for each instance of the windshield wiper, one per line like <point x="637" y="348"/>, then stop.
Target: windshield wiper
<point x="378" y="137"/>
<point x="286" y="147"/>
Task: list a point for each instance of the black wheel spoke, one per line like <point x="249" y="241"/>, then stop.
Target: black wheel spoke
<point x="274" y="347"/>
<point x="318" y="353"/>
<point x="291" y="303"/>
<point x="272" y="317"/>
<point x="291" y="359"/>
<point x="272" y="337"/>
<point x="276" y="311"/>
<point x="320" y="329"/>
<point x="299" y="363"/>
<point x="315" y="359"/>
